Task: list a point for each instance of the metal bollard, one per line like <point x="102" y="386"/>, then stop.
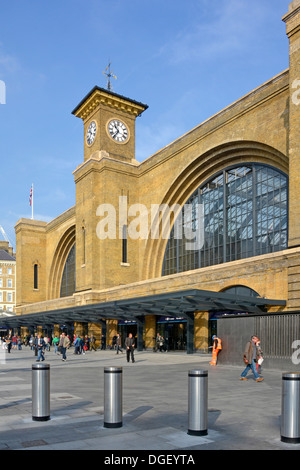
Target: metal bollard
<point x="290" y="408"/>
<point x="40" y="392"/>
<point x="198" y="401"/>
<point x="113" y="406"/>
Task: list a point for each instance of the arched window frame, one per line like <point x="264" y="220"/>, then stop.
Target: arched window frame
<point x="176" y="259"/>
<point x="68" y="283"/>
<point x="36" y="267"/>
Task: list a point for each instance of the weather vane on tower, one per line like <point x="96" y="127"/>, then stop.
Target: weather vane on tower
<point x="109" y="75"/>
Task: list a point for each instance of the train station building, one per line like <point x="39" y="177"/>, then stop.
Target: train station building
<point x="201" y="237"/>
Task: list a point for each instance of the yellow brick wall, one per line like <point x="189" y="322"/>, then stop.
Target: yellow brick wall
<point x="292" y="20"/>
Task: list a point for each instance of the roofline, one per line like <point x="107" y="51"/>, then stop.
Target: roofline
<point x="108" y="92"/>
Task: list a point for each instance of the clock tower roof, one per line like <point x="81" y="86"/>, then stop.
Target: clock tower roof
<point x="100" y="95"/>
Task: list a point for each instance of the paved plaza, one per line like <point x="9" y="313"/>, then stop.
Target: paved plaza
<point x="241" y="415"/>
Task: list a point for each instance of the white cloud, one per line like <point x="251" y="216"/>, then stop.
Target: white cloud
<point x="230" y="27"/>
<point x="8" y="63"/>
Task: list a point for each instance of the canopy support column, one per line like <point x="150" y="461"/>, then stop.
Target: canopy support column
<point x="190" y="333"/>
<point x="140" y="332"/>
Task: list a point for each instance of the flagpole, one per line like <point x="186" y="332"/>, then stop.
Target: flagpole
<point x="32" y="201"/>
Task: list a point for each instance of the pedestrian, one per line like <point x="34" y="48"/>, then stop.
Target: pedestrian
<point x="216" y="348"/>
<point x="260" y="356"/>
<point x="55" y="343"/>
<point x="93" y="343"/>
<point x="46" y="342"/>
<point x="250" y="357"/>
<point x="161" y="344"/>
<point x="77" y="345"/>
<point x="81" y="344"/>
<point x="8" y="343"/>
<point x="64" y="343"/>
<point x="118" y="344"/>
<point x="14" y="342"/>
<point x="19" y="343"/>
<point x="35" y="344"/>
<point x="129" y="345"/>
<point x="157" y="343"/>
<point x="40" y="345"/>
<point x="86" y="346"/>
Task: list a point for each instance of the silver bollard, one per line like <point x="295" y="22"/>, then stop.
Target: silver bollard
<point x="113" y="399"/>
<point x="290" y="408"/>
<point x="41" y="392"/>
<point x="198" y="401"/>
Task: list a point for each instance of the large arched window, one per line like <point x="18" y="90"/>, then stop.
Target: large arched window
<point x="68" y="279"/>
<point x="244" y="212"/>
<point x="241" y="290"/>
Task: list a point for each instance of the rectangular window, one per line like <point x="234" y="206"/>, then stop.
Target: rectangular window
<point x="124" y="244"/>
<point x="1" y="282"/>
<point x="9" y="271"/>
<point x="9" y="283"/>
<point x="35" y="276"/>
<point x="83" y="232"/>
<point x="9" y="297"/>
<point x="83" y="243"/>
<point x="1" y="296"/>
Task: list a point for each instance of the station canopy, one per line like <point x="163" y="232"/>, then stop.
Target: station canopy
<point x="175" y="304"/>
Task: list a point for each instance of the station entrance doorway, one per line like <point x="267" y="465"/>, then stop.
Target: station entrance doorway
<point x="174" y="332"/>
<point x="124" y="328"/>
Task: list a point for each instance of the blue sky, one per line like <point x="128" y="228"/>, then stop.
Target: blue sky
<point x="186" y="60"/>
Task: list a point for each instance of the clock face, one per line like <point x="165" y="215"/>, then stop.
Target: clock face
<point x="91" y="133"/>
<point x="118" y="131"/>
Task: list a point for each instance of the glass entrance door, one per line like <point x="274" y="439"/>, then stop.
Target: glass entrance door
<point x="125" y="329"/>
<point x="174" y="334"/>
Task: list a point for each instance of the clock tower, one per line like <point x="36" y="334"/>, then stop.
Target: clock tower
<point x="107" y="173"/>
<point x="109" y="124"/>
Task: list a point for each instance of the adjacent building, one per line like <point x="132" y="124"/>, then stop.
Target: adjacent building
<point x="7" y="279"/>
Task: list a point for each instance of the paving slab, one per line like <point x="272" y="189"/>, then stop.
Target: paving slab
<point x="241" y="415"/>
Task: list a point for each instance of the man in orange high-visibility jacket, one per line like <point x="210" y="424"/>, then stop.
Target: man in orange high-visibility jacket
<point x="217" y="346"/>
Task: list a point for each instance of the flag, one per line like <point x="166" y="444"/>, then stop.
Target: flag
<point x="30" y="197"/>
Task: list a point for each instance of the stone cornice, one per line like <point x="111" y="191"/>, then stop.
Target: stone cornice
<point x="67" y="215"/>
<point x="30" y="224"/>
<point x="291" y="19"/>
<point x="99" y="96"/>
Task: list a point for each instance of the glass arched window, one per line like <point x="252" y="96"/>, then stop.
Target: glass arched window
<point x="68" y="279"/>
<point x="241" y="290"/>
<point x="243" y="212"/>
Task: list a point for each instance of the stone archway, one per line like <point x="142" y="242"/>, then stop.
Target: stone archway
<point x="200" y="170"/>
<point x="59" y="259"/>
